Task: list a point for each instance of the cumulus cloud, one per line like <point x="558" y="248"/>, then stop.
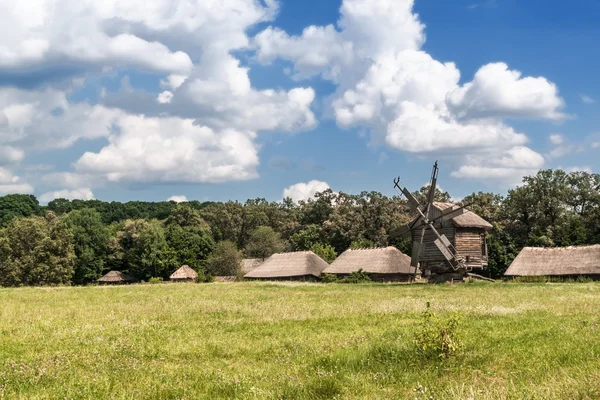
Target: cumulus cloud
<point x="304" y="191"/>
<point x="178" y="199"/>
<point x="72" y="194"/>
<point x="9" y="183"/>
<point x="172" y="150"/>
<point x="410" y="101"/>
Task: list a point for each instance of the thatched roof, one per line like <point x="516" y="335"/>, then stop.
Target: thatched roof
<point x="115" y="277"/>
<point x="539" y="261"/>
<point x="184" y="272"/>
<point x="388" y="260"/>
<point x="283" y="265"/>
<point x="468" y="219"/>
<point x="248" y="264"/>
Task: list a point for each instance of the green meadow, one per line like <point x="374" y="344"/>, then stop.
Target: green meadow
<point x="298" y="341"/>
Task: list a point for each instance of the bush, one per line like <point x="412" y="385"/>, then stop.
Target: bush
<point x="204" y="277"/>
<point x="438" y="337"/>
<point x="359" y="276"/>
<point x="329" y="278"/>
<point x="325" y="251"/>
<point x="225" y="260"/>
<point x="155" y="280"/>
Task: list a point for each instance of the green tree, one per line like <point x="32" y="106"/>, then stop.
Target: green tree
<point x="362" y="244"/>
<point x="192" y="245"/>
<point x="36" y="251"/>
<point x="264" y="242"/>
<point x="91" y="238"/>
<point x="16" y="206"/>
<point x="225" y="260"/>
<point x="151" y="256"/>
<point x="306" y="238"/>
<point x="325" y="251"/>
<point x="185" y="216"/>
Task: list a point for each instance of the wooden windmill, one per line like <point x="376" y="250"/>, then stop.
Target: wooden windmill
<point x="448" y="240"/>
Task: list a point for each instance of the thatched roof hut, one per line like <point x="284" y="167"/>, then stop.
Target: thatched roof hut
<point x="382" y="264"/>
<point x="115" y="278"/>
<point x="558" y="261"/>
<point x="184" y="274"/>
<point x="302" y="265"/>
<point x="249" y="264"/>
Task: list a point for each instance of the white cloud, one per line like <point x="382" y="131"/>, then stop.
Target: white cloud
<point x="585" y="168"/>
<point x="178" y="199"/>
<point x="587" y="99"/>
<point x="70" y="180"/>
<point x="165" y="97"/>
<point x="410" y="101"/>
<point x="497" y="91"/>
<point x="9" y="183"/>
<point x="556" y="139"/>
<point x="596" y="145"/>
<point x="304" y="191"/>
<point x="81" y="194"/>
<point x="172" y="150"/>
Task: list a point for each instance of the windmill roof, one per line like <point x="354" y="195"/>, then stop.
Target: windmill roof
<point x="388" y="260"/>
<point x="540" y="261"/>
<point x="283" y="265"/>
<point x="184" y="272"/>
<point x="115" y="276"/>
<point x="468" y="219"/>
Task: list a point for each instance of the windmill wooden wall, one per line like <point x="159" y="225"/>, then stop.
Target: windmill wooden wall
<point x="467" y="234"/>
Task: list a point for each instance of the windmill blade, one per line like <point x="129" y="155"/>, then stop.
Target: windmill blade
<point x="400" y="231"/>
<point x="412" y="202"/>
<point x="444" y="250"/>
<point x="433" y="184"/>
<point x="416" y="254"/>
<point x="450" y="213"/>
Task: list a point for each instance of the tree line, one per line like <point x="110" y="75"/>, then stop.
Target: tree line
<point x="75" y="242"/>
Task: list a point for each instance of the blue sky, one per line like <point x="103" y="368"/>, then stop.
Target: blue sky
<point x="211" y="101"/>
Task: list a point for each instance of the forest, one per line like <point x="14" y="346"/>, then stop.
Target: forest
<point x="74" y="242"/>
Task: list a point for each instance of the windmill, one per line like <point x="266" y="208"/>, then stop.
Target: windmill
<point x="454" y="264"/>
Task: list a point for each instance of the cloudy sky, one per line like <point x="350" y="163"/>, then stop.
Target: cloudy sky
<point x="234" y="99"/>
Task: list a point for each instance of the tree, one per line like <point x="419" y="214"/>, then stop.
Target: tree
<point x="143" y="249"/>
<point x="264" y="242"/>
<point x="36" y="251"/>
<point x="325" y="251"/>
<point x="192" y="245"/>
<point x="306" y="238"/>
<point x="16" y="206"/>
<point x="225" y="260"/>
<point x="184" y="216"/>
<point x="362" y="244"/>
<point x="91" y="244"/>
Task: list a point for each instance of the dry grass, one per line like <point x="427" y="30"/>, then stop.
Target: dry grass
<point x="266" y="340"/>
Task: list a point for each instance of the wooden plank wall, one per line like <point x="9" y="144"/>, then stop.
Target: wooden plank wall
<point x="431" y="252"/>
<point x="468" y="243"/>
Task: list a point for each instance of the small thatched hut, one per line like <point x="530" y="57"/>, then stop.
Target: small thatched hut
<point x="184" y="274"/>
<point x="383" y="264"/>
<point x="302" y="265"/>
<point x="115" y="278"/>
<point x="567" y="262"/>
<point x="249" y="264"/>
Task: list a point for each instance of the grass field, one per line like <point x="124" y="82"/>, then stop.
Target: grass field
<point x="261" y="340"/>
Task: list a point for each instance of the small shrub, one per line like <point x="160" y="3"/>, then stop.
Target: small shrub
<point x="438" y="337"/>
<point x="204" y="277"/>
<point x="155" y="280"/>
<point x="325" y="251"/>
<point x="359" y="276"/>
<point x="329" y="278"/>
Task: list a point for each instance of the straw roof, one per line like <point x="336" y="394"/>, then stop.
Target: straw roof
<point x="184" y="272"/>
<point x="115" y="277"/>
<point x="248" y="264"/>
<point x="284" y="265"/>
<point x="388" y="260"/>
<point x="468" y="219"/>
<point x="539" y="261"/>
